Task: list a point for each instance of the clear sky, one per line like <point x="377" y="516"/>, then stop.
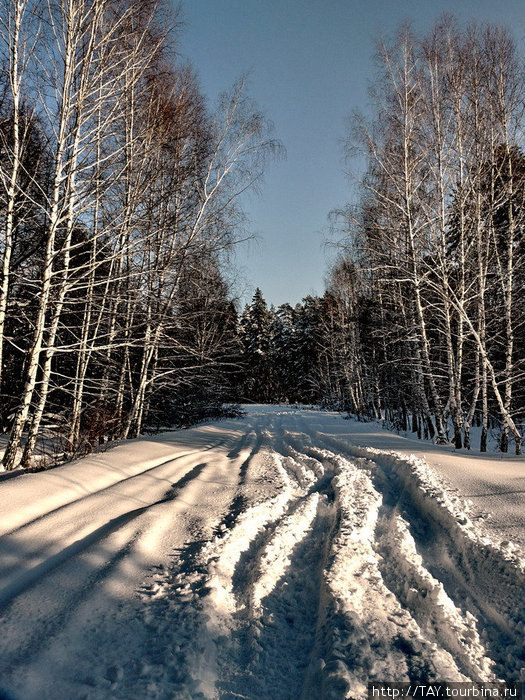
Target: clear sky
<point x="309" y="63"/>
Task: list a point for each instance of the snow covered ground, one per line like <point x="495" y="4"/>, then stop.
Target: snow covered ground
<point x="289" y="554"/>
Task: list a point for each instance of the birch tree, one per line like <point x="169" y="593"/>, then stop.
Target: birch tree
<point x="74" y="65"/>
<point x="17" y="36"/>
<point x="439" y="231"/>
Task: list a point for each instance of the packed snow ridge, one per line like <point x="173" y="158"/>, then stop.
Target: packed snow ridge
<point x="289" y="554"/>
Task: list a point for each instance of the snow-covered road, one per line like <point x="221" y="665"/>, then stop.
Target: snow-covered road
<point x="288" y="554"/>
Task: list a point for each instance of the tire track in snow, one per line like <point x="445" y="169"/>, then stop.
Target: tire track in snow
<point x="274" y="626"/>
<point x="418" y="591"/>
<point x="364" y="633"/>
<point x="479" y="580"/>
<point x="194" y="600"/>
<point x="470" y="654"/>
<point x="275" y="587"/>
<point x="204" y="574"/>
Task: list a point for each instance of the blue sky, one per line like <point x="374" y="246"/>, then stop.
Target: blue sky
<point x="309" y="65"/>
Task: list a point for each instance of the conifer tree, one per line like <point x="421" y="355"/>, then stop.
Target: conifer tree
<point x="256" y="324"/>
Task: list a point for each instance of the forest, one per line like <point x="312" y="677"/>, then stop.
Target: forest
<point x="120" y="202"/>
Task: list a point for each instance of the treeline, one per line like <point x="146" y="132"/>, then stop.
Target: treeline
<point x="438" y="235"/>
<point x="313" y="352"/>
<point x="300" y="354"/>
<point x="118" y="203"/>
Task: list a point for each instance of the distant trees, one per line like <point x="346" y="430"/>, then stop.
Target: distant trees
<point x="255" y="327"/>
<point x="118" y="200"/>
<point x="298" y="354"/>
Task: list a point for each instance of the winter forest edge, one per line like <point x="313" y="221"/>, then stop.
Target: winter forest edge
<point x="121" y="200"/>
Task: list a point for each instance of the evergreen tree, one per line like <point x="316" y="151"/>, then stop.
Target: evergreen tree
<point x="309" y="337"/>
<point x="284" y="354"/>
<point x="256" y="323"/>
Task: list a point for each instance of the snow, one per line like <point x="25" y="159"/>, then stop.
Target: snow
<point x="287" y="554"/>
<point x="492" y="485"/>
